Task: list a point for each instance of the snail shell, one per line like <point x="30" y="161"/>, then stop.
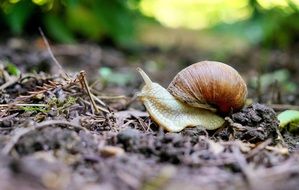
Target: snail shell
<point x="210" y="85"/>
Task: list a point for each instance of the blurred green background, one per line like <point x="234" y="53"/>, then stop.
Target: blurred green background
<point x="267" y="23"/>
<point x="110" y="38"/>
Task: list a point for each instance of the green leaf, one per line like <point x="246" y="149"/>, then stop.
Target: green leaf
<point x="281" y="76"/>
<point x="81" y="20"/>
<point x="116" y="78"/>
<point x="12" y="69"/>
<point x="17" y="15"/>
<point x="288" y="117"/>
<point x="58" y="30"/>
<point x="116" y="18"/>
<point x="34" y="109"/>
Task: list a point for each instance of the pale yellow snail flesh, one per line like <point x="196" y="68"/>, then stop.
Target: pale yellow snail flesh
<point x="170" y="113"/>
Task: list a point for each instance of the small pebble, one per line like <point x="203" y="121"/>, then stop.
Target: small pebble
<point x="109" y="151"/>
<point x="127" y="135"/>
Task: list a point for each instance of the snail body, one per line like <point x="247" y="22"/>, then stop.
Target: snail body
<point x="180" y="106"/>
<point x="172" y="114"/>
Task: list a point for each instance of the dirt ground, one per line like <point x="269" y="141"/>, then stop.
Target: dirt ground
<point x="52" y="137"/>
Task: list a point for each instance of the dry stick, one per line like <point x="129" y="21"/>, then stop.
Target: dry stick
<point x="8" y="83"/>
<point x="23" y="131"/>
<point x="16" y="105"/>
<point x="280" y="137"/>
<point x="98" y="100"/>
<point x="84" y="84"/>
<point x="82" y="76"/>
<point x="15" y="138"/>
<point x="89" y="104"/>
<point x="20" y="105"/>
<point x="105" y="96"/>
<point x="52" y="55"/>
<point x="258" y="148"/>
<point x="282" y="107"/>
<point x="280" y="150"/>
<point x="8" y="79"/>
<point x="9" y="117"/>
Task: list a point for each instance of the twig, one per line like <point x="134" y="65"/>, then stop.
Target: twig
<point x="258" y="148"/>
<point x="280" y="137"/>
<point x="84" y="84"/>
<point x="9" y="117"/>
<point x="98" y="100"/>
<point x="280" y="150"/>
<point x="19" y="132"/>
<point x="52" y="55"/>
<point x="59" y="122"/>
<point x="237" y="126"/>
<point x="282" y="107"/>
<point x="19" y="105"/>
<point x="112" y="97"/>
<point x="9" y="82"/>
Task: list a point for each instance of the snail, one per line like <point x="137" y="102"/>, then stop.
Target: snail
<point x="197" y="95"/>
